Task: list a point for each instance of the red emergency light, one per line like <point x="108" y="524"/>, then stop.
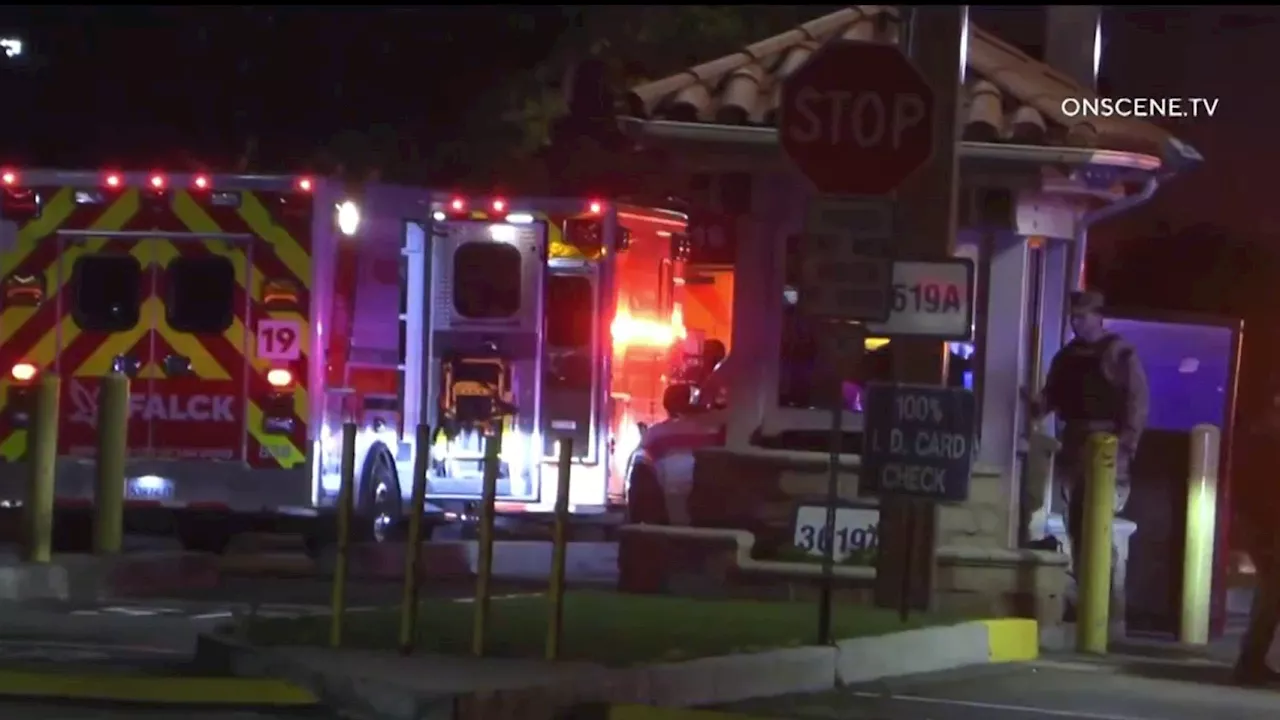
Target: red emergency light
<point x="200" y="182"/>
<point x="499" y="205"/>
<point x="305" y="184"/>
<point x="595" y="207"/>
<point x="157" y="182"/>
<point x="9" y="177"/>
<point x="113" y="181"/>
<point x="458" y="205"/>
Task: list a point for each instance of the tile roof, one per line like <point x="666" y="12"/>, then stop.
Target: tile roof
<point x="1009" y="97"/>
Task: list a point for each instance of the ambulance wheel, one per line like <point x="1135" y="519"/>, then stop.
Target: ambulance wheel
<point x="646" y="503"/>
<point x="381" y="503"/>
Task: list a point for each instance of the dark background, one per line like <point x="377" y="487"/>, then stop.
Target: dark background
<point x="474" y="95"/>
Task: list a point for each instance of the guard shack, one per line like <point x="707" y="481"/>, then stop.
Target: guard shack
<point x="1033" y="182"/>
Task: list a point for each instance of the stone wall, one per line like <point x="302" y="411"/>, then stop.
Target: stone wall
<point x="758" y="491"/>
<point x="976" y="582"/>
<point x="984" y="520"/>
<point x="978" y="575"/>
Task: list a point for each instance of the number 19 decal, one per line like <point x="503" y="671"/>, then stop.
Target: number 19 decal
<point x="279" y="340"/>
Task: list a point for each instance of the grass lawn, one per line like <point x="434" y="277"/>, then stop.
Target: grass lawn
<point x="605" y="627"/>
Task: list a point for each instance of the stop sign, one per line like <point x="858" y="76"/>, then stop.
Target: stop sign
<point x="857" y="118"/>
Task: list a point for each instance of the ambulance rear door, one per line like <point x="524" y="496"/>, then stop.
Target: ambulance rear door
<point x="486" y="347"/>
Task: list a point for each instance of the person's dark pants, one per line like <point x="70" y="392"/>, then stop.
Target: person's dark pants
<point x="1264" y="614"/>
<point x="1072" y="466"/>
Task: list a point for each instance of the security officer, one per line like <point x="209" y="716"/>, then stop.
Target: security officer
<point x="1096" y="384"/>
<point x="1257" y="504"/>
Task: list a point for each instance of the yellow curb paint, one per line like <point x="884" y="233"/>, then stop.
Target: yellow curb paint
<point x="1012" y="639"/>
<point x="647" y="712"/>
<point x="158" y="689"/>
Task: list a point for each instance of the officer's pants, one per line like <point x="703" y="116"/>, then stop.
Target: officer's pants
<point x="1264" y="614"/>
<point x="1072" y="470"/>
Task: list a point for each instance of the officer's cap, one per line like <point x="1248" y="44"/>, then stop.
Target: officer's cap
<point x="1086" y="301"/>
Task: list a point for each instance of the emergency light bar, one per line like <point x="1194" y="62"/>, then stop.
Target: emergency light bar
<point x="112" y="179"/>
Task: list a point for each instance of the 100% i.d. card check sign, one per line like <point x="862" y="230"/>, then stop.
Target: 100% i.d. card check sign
<point x="919" y="441"/>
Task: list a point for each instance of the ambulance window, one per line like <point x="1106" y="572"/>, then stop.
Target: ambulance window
<point x="570" y="311"/>
<point x="108" y="292"/>
<point x="486" y="280"/>
<point x="201" y="294"/>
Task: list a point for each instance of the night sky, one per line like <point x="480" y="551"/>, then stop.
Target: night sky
<point x="167" y="87"/>
<point x="1209" y="52"/>
<point x="143" y="86"/>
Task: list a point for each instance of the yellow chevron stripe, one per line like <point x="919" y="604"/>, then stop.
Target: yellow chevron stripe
<point x="198" y="220"/>
<point x="286" y="247"/>
<point x="113" y="345"/>
<point x="14" y="445"/>
<point x="151" y="371"/>
<point x="150" y="253"/>
<point x="120" y="212"/>
<point x="111" y="220"/>
<point x="203" y="364"/>
<point x="293" y="458"/>
<point x="52" y="215"/>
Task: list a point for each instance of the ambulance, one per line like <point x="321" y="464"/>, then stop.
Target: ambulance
<point x="255" y="315"/>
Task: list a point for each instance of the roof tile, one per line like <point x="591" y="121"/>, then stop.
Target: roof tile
<point x="1009" y="97"/>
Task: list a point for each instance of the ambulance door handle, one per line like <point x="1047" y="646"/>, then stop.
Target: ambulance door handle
<point x="126" y="364"/>
<point x="176" y="365"/>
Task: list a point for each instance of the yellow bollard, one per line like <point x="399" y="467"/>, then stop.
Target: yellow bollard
<point x="346" y="508"/>
<point x="413" y="543"/>
<point x="1202" y="520"/>
<point x="42" y="450"/>
<point x="108" y="489"/>
<point x="1093" y="567"/>
<point x="484" y="566"/>
<point x="559" y="550"/>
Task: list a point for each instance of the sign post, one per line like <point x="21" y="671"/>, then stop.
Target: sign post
<point x="933" y="36"/>
<point x="857" y="119"/>
<point x="919" y="446"/>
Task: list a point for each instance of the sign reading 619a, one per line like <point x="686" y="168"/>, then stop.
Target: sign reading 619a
<point x="930" y="299"/>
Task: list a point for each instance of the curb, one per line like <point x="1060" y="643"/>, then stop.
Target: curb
<point x="493" y="689"/>
<point x="162" y="690"/>
<point x="88" y="578"/>
<point x="512" y="559"/>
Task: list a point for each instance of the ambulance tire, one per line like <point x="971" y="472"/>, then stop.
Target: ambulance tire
<point x="646" y="503"/>
<point x="380" y="505"/>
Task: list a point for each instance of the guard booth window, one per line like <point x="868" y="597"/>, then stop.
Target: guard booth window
<point x="486" y="280"/>
<point x="108" y="292"/>
<point x="201" y="295"/>
<point x="800" y="374"/>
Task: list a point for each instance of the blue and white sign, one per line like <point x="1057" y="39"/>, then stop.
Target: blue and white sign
<point x="919" y="441"/>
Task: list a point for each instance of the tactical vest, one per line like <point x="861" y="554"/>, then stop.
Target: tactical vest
<point x="1087" y="394"/>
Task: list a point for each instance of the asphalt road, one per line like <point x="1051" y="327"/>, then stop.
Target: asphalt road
<point x="1052" y="689"/>
<point x="60" y="711"/>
